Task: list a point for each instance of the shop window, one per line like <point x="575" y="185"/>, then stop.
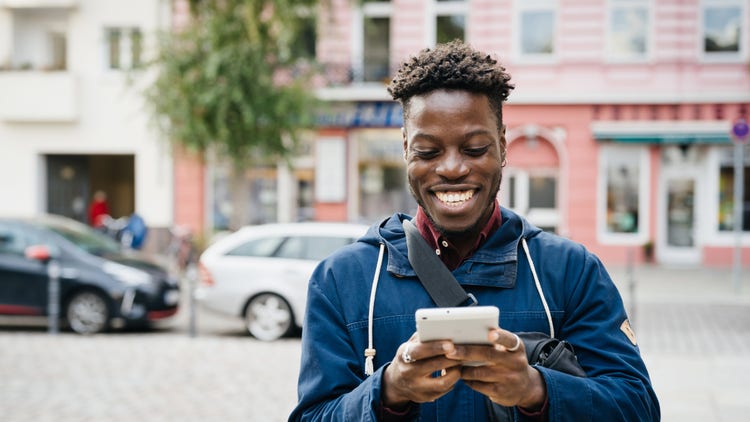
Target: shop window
<point x="724" y="29"/>
<point x="537" y="28"/>
<point x="242" y="199"/>
<point x="628" y="29"/>
<point x="624" y="178"/>
<point x="726" y="192"/>
<point x="124" y="48"/>
<point x="383" y="191"/>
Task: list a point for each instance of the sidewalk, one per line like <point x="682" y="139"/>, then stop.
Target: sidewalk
<point x="660" y="284"/>
<point x="693" y="328"/>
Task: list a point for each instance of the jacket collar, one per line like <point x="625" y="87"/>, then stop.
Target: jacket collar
<point x="497" y="258"/>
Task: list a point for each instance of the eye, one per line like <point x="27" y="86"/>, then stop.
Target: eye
<point x="425" y="154"/>
<point x="476" y="152"/>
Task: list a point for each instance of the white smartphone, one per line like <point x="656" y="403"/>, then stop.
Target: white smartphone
<point x="464" y="325"/>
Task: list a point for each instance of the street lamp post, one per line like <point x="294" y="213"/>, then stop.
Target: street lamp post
<point x="740" y="132"/>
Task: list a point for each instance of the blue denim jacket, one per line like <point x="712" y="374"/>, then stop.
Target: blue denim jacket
<point x="586" y="308"/>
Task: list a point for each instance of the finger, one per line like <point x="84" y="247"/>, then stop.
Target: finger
<point x="474" y="354"/>
<point x="417" y="350"/>
<point x="505" y="341"/>
<point x="434" y="386"/>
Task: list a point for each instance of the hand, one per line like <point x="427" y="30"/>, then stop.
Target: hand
<point x="413" y="381"/>
<point x="506" y="378"/>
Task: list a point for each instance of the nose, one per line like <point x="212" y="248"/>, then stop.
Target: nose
<point x="452" y="166"/>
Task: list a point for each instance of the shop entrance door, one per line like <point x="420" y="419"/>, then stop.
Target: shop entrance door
<point x="678" y="241"/>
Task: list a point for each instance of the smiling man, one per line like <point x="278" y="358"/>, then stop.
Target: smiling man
<point x="361" y="359"/>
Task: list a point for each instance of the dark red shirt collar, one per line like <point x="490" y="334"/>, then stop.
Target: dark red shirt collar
<point x="443" y="247"/>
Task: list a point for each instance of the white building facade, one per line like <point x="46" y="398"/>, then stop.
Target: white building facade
<point x="72" y="120"/>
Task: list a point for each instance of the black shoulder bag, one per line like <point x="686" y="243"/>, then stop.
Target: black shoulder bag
<point x="445" y="291"/>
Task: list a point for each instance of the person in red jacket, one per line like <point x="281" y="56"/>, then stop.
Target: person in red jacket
<point x="98" y="209"/>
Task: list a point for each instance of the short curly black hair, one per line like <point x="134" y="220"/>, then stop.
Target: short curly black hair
<point x="454" y="65"/>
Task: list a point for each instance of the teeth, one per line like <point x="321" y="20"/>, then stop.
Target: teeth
<point x="454" y="198"/>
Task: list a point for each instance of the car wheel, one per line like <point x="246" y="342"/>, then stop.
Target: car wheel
<point x="268" y="317"/>
<point x="87" y="313"/>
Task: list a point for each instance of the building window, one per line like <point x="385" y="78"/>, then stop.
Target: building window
<point x="372" y="42"/>
<point x="376" y="49"/>
<point x="533" y="193"/>
<point x="450" y="21"/>
<point x="726" y="191"/>
<point x="38" y="39"/>
<point x="305" y="41"/>
<point x="124" y="48"/>
<point x="536" y="29"/>
<point x="382" y="185"/>
<point x="723" y="29"/>
<point x="628" y="29"/>
<point x="624" y="180"/>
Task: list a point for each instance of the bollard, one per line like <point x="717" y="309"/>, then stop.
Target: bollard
<point x="53" y="296"/>
<point x="191" y="274"/>
<point x="631" y="286"/>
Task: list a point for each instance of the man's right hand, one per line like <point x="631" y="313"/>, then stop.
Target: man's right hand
<point x="411" y="375"/>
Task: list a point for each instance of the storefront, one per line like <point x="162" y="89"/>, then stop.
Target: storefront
<point x="359" y="152"/>
<point x="678" y="175"/>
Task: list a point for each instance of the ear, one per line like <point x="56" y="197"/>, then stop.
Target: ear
<point x="406" y="143"/>
<point x="503" y="147"/>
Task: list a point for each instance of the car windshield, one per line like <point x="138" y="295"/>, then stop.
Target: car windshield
<point x="84" y="237"/>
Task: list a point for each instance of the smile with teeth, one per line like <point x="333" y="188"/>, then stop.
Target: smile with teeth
<point x="454" y="198"/>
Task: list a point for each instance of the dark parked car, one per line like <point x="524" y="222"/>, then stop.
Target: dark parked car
<point x="102" y="285"/>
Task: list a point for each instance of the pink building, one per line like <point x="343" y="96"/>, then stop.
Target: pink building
<point x="618" y="129"/>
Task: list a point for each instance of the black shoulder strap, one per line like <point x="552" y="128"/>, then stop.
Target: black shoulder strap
<point x="434" y="275"/>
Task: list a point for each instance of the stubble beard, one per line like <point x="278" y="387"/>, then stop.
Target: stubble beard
<point x="474" y="228"/>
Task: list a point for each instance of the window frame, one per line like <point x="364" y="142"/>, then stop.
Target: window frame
<point x="126" y="58"/>
<point x="611" y="55"/>
<point x="366" y="10"/>
<point x="519" y="181"/>
<point x="641" y="235"/>
<point x="741" y="55"/>
<point x="436" y="9"/>
<point x="522" y="6"/>
<point x="714" y="236"/>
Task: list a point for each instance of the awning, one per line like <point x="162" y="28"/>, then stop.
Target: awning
<point x="671" y="133"/>
<point x="663" y="138"/>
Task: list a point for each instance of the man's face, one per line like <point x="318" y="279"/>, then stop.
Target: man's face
<point x="453" y="154"/>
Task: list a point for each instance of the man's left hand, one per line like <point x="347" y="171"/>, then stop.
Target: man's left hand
<point x="506" y="376"/>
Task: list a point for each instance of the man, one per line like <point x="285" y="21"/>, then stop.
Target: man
<point x="454" y="146"/>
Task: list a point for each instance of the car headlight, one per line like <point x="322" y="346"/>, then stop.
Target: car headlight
<point x="127" y="275"/>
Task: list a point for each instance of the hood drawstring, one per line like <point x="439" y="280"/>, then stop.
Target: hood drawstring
<point x="370" y="351"/>
<point x="538" y="287"/>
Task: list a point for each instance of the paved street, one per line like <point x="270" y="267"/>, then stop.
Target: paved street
<point x="693" y="327"/>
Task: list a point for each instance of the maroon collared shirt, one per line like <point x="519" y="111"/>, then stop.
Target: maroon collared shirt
<point x="443" y="247"/>
<point x="452" y="259"/>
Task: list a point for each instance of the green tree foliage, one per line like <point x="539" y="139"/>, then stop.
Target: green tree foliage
<point x="229" y="82"/>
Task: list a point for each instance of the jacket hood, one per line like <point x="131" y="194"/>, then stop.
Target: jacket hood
<point x="501" y="246"/>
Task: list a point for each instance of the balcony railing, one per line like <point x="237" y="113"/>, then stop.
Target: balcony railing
<point x="38" y="97"/>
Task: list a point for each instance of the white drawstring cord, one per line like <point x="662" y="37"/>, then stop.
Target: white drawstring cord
<point x="370" y="351"/>
<point x="539" y="288"/>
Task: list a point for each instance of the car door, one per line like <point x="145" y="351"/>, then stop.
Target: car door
<point x="23" y="281"/>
